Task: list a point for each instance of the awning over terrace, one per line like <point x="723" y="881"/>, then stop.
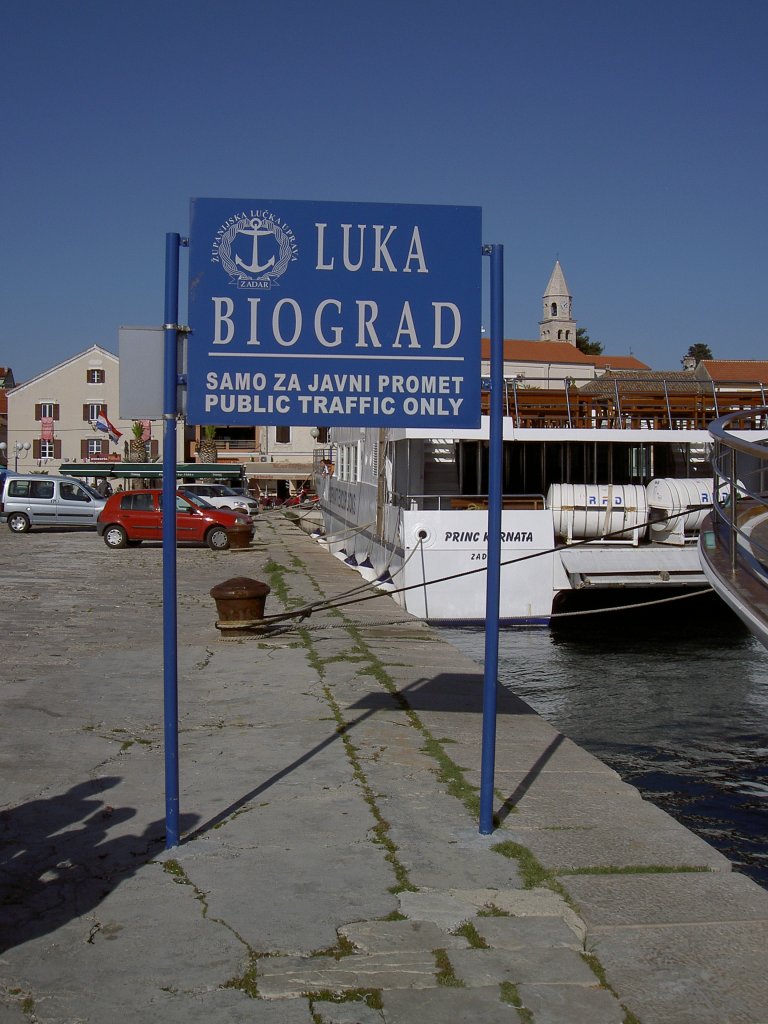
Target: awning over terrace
<point x="153" y="470"/>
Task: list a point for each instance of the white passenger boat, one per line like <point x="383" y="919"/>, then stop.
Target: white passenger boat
<point x="605" y="488"/>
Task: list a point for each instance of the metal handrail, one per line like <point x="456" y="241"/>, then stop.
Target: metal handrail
<point x="737" y="479"/>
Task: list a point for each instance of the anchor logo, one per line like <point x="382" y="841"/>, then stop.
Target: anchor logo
<point x="258" y="225"/>
<point x="256" y="231"/>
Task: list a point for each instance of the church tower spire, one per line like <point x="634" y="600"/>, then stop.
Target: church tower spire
<point x="558" y="323"/>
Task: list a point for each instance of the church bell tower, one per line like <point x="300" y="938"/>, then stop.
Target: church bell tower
<point x="558" y="323"/>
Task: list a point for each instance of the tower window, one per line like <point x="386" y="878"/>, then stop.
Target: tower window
<point x="553" y="309"/>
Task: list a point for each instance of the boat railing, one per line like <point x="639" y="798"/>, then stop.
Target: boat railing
<point x="740" y="507"/>
<point x="613" y="402"/>
<point x="465" y="502"/>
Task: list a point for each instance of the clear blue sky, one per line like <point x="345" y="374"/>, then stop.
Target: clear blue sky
<point x="626" y="137"/>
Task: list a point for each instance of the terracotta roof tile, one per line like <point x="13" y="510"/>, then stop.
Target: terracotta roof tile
<point x="650" y="381"/>
<point x="619" y="363"/>
<point x="537" y="351"/>
<point x="736" y="370"/>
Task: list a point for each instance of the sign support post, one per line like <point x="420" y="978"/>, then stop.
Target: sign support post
<point x="493" y="578"/>
<point x="170" y="663"/>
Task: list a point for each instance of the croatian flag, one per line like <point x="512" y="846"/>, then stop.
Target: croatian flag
<point x="102" y="423"/>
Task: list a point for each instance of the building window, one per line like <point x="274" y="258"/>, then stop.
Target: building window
<point x="47" y="411"/>
<point x="94" y="446"/>
<point x="283" y="435"/>
<point x="47" y="450"/>
<point x="95" y="376"/>
<point x="322" y="435"/>
<point x="92" y="411"/>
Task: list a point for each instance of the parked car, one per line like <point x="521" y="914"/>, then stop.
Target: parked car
<point x="36" y="499"/>
<point x="129" y="517"/>
<point x="221" y="496"/>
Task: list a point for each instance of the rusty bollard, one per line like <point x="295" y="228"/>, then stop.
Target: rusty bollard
<point x="240" y="603"/>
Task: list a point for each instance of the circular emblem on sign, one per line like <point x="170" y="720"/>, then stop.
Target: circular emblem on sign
<point x="255" y="249"/>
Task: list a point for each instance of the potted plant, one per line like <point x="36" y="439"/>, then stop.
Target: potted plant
<point x="207" y="450"/>
<point x="137" y="449"/>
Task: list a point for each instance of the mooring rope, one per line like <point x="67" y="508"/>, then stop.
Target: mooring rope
<point x="332" y="603"/>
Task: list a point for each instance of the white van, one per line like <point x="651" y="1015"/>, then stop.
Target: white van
<point x="41" y="500"/>
<point x="221" y="496"/>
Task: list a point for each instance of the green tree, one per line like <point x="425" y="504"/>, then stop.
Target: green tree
<point x="583" y="344"/>
<point x="699" y="351"/>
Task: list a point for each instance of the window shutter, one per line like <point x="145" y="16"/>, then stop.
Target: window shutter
<point x="56" y="449"/>
<point x="36" y="448"/>
<point x="86" y="410"/>
<point x="154" y="449"/>
<point x="38" y="411"/>
<point x="83" y="449"/>
<point x="56" y="414"/>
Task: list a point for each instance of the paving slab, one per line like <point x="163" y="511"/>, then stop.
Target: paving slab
<point x="621" y="845"/>
<point x="289" y="977"/>
<point x="540" y="964"/>
<point x="400" y="936"/>
<point x="688" y="974"/>
<point x="356" y="1012"/>
<point x="678" y="898"/>
<point x="457" y="1005"/>
<point x="513" y="933"/>
<point x="571" y="1004"/>
<point x="445" y="910"/>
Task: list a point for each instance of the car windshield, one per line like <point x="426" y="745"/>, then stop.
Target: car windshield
<point x="197" y="499"/>
<point x="226" y="492"/>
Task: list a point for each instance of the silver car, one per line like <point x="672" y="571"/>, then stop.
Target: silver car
<point x="41" y="500"/>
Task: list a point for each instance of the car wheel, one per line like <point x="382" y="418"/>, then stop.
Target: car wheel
<point x="217" y="539"/>
<point x="227" y="508"/>
<point x="115" y="537"/>
<point x="18" y="522"/>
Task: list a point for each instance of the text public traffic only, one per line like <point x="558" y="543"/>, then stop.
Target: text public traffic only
<point x="326" y="394"/>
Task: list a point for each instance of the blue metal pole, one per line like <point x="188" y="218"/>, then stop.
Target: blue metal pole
<point x="493" y="575"/>
<point x="170" y="664"/>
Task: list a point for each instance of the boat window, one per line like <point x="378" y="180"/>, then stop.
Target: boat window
<point x="348" y="462"/>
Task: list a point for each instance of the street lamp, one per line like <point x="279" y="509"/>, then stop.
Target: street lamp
<point x="20" y="446"/>
<point x="3" y="451"/>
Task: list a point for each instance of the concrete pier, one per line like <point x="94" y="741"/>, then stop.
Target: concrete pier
<point x="331" y="870"/>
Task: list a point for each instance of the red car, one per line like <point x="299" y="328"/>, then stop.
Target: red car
<point x="129" y="517"/>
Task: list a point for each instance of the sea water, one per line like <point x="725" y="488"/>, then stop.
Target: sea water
<point x="676" y="702"/>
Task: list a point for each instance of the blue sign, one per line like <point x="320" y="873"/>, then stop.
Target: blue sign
<point x="334" y="314"/>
